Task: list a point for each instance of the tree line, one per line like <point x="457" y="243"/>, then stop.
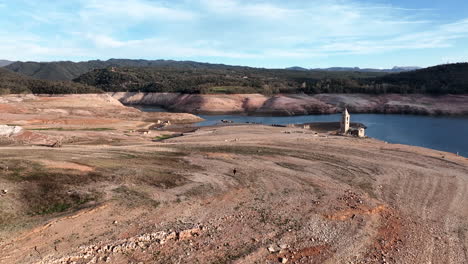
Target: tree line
<point x="443" y="79"/>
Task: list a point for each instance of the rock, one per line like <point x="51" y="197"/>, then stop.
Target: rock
<point x="273" y="249"/>
<point x="8" y="131"/>
<point x="283" y="260"/>
<point x="57" y="144"/>
<point x="188" y="233"/>
<point x="4" y="191"/>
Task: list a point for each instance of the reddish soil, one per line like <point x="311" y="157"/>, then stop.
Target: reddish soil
<point x="228" y="194"/>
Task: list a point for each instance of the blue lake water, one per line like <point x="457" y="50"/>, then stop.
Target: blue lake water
<point x="444" y="133"/>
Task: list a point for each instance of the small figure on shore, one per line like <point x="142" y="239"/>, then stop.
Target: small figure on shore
<point x="234" y="171"/>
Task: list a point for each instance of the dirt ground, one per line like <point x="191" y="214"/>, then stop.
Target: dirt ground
<point x="46" y="118"/>
<point x="230" y="194"/>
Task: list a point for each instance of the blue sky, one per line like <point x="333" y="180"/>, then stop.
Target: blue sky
<point x="268" y="33"/>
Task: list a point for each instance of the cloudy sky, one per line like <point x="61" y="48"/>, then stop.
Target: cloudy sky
<point x="260" y="33"/>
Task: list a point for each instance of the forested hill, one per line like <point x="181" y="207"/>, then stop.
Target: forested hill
<point x="224" y="79"/>
<point x="195" y="77"/>
<point x="68" y="70"/>
<point x="443" y="79"/>
<point x="11" y="82"/>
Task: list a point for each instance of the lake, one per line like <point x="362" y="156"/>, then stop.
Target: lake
<point x="444" y="133"/>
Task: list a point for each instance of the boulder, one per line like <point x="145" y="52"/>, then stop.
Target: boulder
<point x="8" y="131"/>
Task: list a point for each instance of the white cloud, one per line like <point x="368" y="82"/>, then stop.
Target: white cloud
<point x="233" y="29"/>
<point x="132" y="9"/>
<point x="154" y="47"/>
<point x="247" y="8"/>
<point x="103" y="41"/>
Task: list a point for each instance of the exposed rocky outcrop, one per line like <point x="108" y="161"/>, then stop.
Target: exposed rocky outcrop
<point x="301" y="104"/>
<point x="8" y="131"/>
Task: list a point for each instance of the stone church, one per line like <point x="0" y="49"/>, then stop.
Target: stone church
<point x="345" y="126"/>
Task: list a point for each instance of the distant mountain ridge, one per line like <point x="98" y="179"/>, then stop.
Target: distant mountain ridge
<point x="195" y="77"/>
<point x="68" y="70"/>
<point x="395" y="69"/>
<point x="4" y="63"/>
<point x="11" y="82"/>
<point x="442" y="79"/>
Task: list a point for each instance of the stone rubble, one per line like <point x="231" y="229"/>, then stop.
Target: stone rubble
<point x="103" y="253"/>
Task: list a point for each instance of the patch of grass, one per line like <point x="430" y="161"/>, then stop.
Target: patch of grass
<point x="232" y="90"/>
<point x="165" y="179"/>
<point x="16" y="170"/>
<point x="101" y="141"/>
<point x="367" y="187"/>
<point x="163" y="137"/>
<point x="98" y="129"/>
<point x="51" y="197"/>
<point x="125" y="154"/>
<point x="5" y="219"/>
<point x="132" y="197"/>
<point x="241" y="150"/>
<point x="73" y="129"/>
<point x="168" y="155"/>
<point x="63" y="177"/>
<point x="290" y="166"/>
<point x="128" y="156"/>
<point x="47" y="191"/>
<point x="55" y="208"/>
<point x="200" y="191"/>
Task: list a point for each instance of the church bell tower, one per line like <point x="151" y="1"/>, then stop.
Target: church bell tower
<point x="345" y="118"/>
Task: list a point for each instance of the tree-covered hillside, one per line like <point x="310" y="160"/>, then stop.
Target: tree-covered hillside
<point x="11" y="82"/>
<point x="221" y="79"/>
<point x="441" y="79"/>
<point x="68" y="70"/>
<point x="194" y="77"/>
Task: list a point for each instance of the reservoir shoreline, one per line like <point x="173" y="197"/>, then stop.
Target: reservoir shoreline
<point x="442" y="133"/>
<point x="300" y="104"/>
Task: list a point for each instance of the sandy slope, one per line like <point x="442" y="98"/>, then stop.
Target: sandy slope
<point x="75" y="112"/>
<point x="300" y="196"/>
<point x="76" y="106"/>
<point x="300" y="104"/>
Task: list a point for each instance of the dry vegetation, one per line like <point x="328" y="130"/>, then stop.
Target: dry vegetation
<point x="295" y="195"/>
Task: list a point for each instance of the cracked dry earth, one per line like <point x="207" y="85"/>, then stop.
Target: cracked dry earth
<point x="296" y="197"/>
